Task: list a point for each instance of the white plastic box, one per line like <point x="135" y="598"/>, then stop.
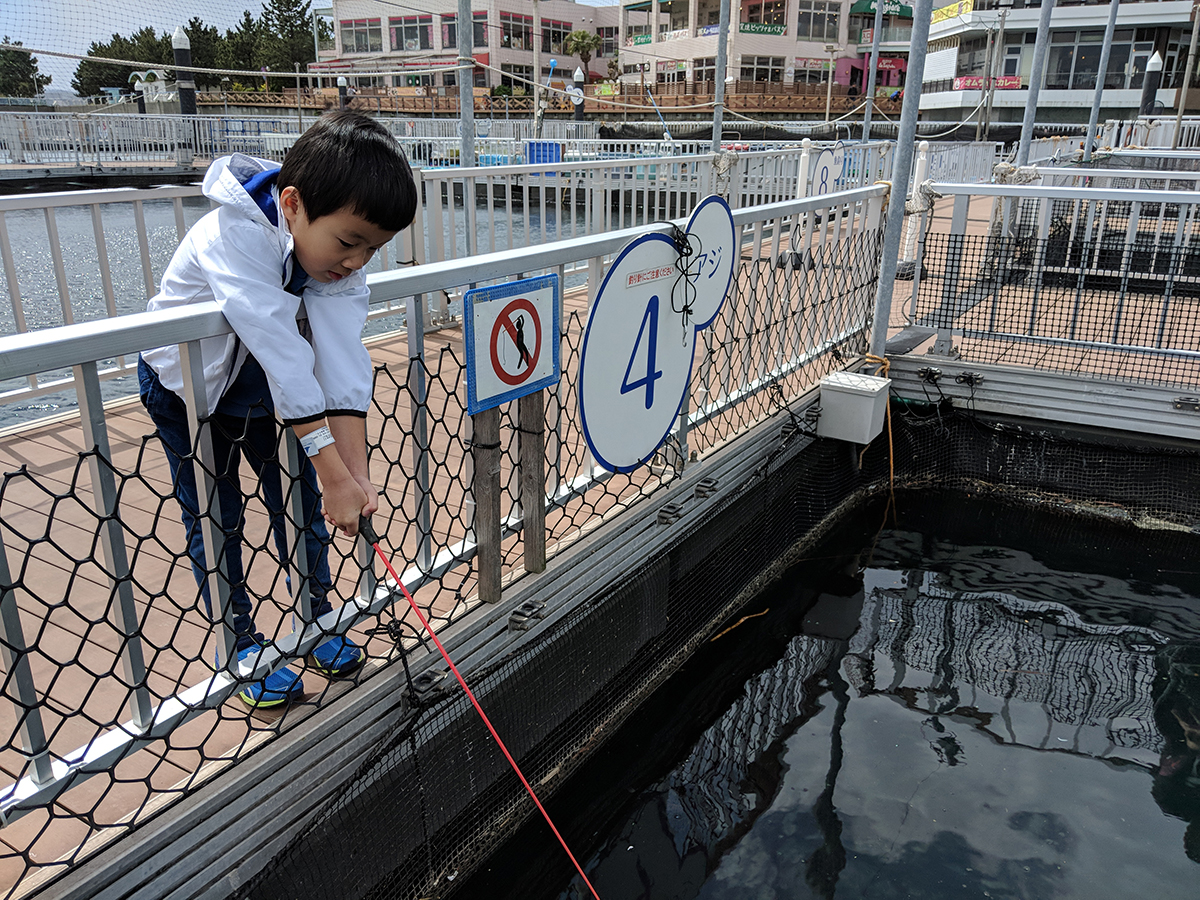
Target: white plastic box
<point x="853" y="406"/>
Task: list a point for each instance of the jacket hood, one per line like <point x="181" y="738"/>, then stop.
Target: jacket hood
<point x="224" y="180"/>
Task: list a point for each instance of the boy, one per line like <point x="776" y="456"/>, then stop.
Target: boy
<point x="279" y="235"/>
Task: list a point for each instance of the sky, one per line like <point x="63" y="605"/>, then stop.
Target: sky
<point x="69" y="26"/>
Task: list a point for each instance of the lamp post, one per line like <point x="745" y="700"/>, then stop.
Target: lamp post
<point x="832" y="50"/>
<point x="182" y="48"/>
<point x="1150" y="85"/>
<point x="225" y="92"/>
<point x="341" y="86"/>
<point x="577" y="96"/>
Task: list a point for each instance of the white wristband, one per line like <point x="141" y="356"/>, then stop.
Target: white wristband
<point x="315" y="440"/>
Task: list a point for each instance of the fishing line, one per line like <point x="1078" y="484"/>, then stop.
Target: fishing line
<point x="367" y="531"/>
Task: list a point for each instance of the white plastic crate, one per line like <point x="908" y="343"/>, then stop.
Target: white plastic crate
<point x="853" y="406"/>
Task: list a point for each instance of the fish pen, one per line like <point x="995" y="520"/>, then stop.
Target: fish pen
<point x="134" y="775"/>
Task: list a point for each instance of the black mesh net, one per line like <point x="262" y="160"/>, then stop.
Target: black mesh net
<point x="800" y="308"/>
<point x="435" y="798"/>
<point x="1102" y="288"/>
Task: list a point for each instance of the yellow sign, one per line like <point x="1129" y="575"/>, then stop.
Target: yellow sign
<point x="953" y="11"/>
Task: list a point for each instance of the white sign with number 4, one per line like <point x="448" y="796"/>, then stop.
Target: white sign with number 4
<point x="636" y="360"/>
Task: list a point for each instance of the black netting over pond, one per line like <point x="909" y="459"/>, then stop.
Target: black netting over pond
<point x="425" y="809"/>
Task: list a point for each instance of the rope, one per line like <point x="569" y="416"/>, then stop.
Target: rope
<point x="884" y="365"/>
<point x="922" y="199"/>
<point x="366" y="529"/>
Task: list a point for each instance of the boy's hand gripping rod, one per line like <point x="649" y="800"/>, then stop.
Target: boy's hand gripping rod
<point x="367" y="531"/>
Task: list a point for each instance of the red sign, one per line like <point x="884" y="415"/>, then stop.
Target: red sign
<point x="976" y="82"/>
<point x="511" y="322"/>
<point x="892" y="62"/>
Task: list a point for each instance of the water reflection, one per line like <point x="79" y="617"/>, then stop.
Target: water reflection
<point x="1177" y="714"/>
<point x="949" y="720"/>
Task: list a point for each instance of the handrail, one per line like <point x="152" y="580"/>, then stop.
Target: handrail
<point x="67" y="345"/>
<point x="1038" y="192"/>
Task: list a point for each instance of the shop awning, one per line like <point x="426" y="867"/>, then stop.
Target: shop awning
<point x="890" y="8"/>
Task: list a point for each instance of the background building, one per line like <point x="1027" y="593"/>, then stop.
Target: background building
<point x="958" y="53"/>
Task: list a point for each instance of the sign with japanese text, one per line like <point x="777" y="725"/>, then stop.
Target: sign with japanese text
<point x="953" y="11"/>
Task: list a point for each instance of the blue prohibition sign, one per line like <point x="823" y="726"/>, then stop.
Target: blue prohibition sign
<point x="511" y="337"/>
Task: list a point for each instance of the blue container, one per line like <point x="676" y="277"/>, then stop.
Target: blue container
<point x="543" y="152"/>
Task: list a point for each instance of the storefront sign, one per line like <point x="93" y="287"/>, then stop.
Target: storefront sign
<point x="636" y="39"/>
<point x="810" y="63"/>
<point x="676" y="34"/>
<point x="976" y="82"/>
<point x="953" y="11"/>
<point x="892" y="63"/>
<point x="706" y="30"/>
<point x="890" y="8"/>
<point x="760" y="28"/>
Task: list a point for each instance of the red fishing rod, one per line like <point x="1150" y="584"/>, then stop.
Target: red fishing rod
<point x="367" y="531"/>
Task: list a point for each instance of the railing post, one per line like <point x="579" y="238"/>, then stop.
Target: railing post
<point x="294" y="526"/>
<point x="208" y="501"/>
<point x="945" y="317"/>
<point x="531" y="415"/>
<point x="112" y="539"/>
<point x="905" y="266"/>
<point x="485" y="450"/>
<point x="419" y="411"/>
<point x="15" y="654"/>
<point x="803" y="169"/>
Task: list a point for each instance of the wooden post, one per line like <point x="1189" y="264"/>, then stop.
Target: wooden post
<point x="486" y="452"/>
<point x="531" y="413"/>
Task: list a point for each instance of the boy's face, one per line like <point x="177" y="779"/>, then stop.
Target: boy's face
<point x="333" y="246"/>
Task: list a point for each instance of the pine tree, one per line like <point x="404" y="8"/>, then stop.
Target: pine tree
<point x="239" y="49"/>
<point x="206" y="42"/>
<point x="286" y="37"/>
<point x="144" y="47"/>
<point x="19" y="75"/>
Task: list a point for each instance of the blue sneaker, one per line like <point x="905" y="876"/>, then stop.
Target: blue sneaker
<point x="277" y="688"/>
<point x="337" y="657"/>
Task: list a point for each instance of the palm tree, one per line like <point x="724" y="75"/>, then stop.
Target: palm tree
<point x="583" y="44"/>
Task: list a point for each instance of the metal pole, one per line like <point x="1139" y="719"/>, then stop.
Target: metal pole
<point x="466" y="91"/>
<point x="537" y="72"/>
<point x="987" y="81"/>
<point x="901" y="171"/>
<point x="722" y="64"/>
<point x="1183" y="91"/>
<point x="1035" y="82"/>
<point x="299" y="110"/>
<point x="829" y="85"/>
<point x="316" y="44"/>
<point x="997" y="67"/>
<point x="1094" y="118"/>
<point x="873" y="70"/>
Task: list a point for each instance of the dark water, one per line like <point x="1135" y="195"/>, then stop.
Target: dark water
<point x="963" y="705"/>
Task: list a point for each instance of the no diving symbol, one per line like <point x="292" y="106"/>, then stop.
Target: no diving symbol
<point x="512" y="360"/>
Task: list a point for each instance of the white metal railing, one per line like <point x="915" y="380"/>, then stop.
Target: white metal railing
<point x="1095" y="279"/>
<point x="1054" y="149"/>
<point x="1136" y="179"/>
<point x="841" y="245"/>
<point x="962" y="162"/>
<point x="107" y="249"/>
<point x="1150" y="132"/>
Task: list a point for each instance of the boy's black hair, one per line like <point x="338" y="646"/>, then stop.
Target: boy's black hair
<point x="349" y="161"/>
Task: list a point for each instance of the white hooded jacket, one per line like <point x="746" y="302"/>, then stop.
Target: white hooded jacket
<point x="235" y="256"/>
